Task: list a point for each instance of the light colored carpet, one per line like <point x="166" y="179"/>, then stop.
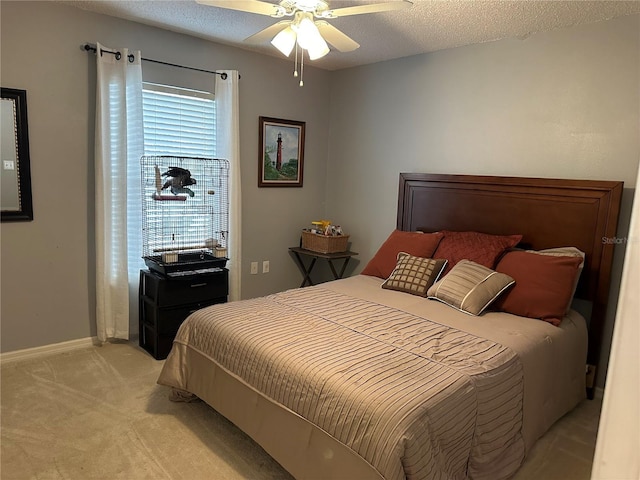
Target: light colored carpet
<point x="98" y="413"/>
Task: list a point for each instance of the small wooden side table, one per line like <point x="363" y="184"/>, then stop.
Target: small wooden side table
<point x="329" y="257"/>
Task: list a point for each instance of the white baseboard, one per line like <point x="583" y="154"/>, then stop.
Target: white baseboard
<point x="45" y="350"/>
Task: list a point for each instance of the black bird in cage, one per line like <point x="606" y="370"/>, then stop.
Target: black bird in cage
<point x="180" y="179"/>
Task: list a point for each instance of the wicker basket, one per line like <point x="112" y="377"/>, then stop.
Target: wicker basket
<point x="324" y="243"/>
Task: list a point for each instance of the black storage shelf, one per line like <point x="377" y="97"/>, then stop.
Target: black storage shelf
<point x="166" y="301"/>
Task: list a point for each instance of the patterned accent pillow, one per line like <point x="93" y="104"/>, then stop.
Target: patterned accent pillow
<point x="478" y="247"/>
<point x="414" y="275"/>
<point x="470" y="287"/>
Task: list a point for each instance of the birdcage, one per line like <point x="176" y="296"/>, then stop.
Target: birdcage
<point x="185" y="213"/>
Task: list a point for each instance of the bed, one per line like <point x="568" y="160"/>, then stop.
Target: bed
<point x="355" y="378"/>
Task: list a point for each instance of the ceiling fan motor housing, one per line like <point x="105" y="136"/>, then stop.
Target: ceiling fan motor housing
<point x="317" y="7"/>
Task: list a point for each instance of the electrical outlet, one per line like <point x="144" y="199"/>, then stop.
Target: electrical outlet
<point x="254" y="268"/>
<point x="265" y="266"/>
<point x="8" y="165"/>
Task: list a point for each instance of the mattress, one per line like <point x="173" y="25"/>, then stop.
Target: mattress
<point x="346" y="379"/>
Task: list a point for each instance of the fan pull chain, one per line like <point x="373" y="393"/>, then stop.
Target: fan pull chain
<point x="295" y="65"/>
<point x="302" y="68"/>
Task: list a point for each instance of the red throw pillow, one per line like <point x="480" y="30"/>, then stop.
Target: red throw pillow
<point x="478" y="247"/>
<point x="544" y="285"/>
<point x="414" y="243"/>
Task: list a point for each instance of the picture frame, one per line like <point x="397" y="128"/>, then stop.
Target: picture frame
<point x="281" y="156"/>
<point x="15" y="168"/>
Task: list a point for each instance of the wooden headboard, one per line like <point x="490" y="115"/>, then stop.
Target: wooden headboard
<point x="547" y="212"/>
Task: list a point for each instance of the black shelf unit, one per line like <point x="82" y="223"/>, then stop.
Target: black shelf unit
<point x="165" y="301"/>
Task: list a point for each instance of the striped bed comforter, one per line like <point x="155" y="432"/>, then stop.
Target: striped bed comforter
<point x="415" y="398"/>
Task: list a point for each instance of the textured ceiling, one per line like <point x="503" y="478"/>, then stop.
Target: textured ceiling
<point x="427" y="26"/>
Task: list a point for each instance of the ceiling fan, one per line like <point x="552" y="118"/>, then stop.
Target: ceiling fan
<point x="306" y="27"/>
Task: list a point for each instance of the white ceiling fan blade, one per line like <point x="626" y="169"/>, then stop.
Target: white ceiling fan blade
<point x="371" y="8"/>
<point x="336" y="38"/>
<point x="268" y="33"/>
<point x="251" y="6"/>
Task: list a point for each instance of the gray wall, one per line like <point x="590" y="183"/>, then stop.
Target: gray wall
<point x="559" y="104"/>
<point x="47" y="265"/>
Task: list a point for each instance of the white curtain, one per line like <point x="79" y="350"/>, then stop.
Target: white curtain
<point x="118" y="147"/>
<point x="228" y="147"/>
<point x="618" y="445"/>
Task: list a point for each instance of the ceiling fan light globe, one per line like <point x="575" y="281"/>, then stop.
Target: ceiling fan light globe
<point x="285" y="41"/>
<point x="310" y="39"/>
<point x="308" y="33"/>
<point x="318" y="51"/>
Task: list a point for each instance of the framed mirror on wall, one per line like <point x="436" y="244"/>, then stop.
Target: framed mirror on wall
<point x="15" y="170"/>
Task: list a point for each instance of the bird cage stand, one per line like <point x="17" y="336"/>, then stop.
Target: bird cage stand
<point x="185" y="214"/>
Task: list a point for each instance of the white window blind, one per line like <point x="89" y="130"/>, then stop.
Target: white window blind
<point x="178" y="121"/>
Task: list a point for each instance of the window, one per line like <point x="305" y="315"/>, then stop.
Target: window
<point x="178" y="121"/>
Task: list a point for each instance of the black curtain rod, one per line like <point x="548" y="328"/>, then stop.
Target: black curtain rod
<point x="90" y="48"/>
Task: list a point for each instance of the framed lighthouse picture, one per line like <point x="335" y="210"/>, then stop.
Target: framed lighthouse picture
<point x="281" y="157"/>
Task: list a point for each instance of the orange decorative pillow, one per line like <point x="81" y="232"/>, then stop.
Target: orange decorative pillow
<point x="480" y="248"/>
<point x="544" y="285"/>
<point x="565" y="252"/>
<point x="414" y="243"/>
